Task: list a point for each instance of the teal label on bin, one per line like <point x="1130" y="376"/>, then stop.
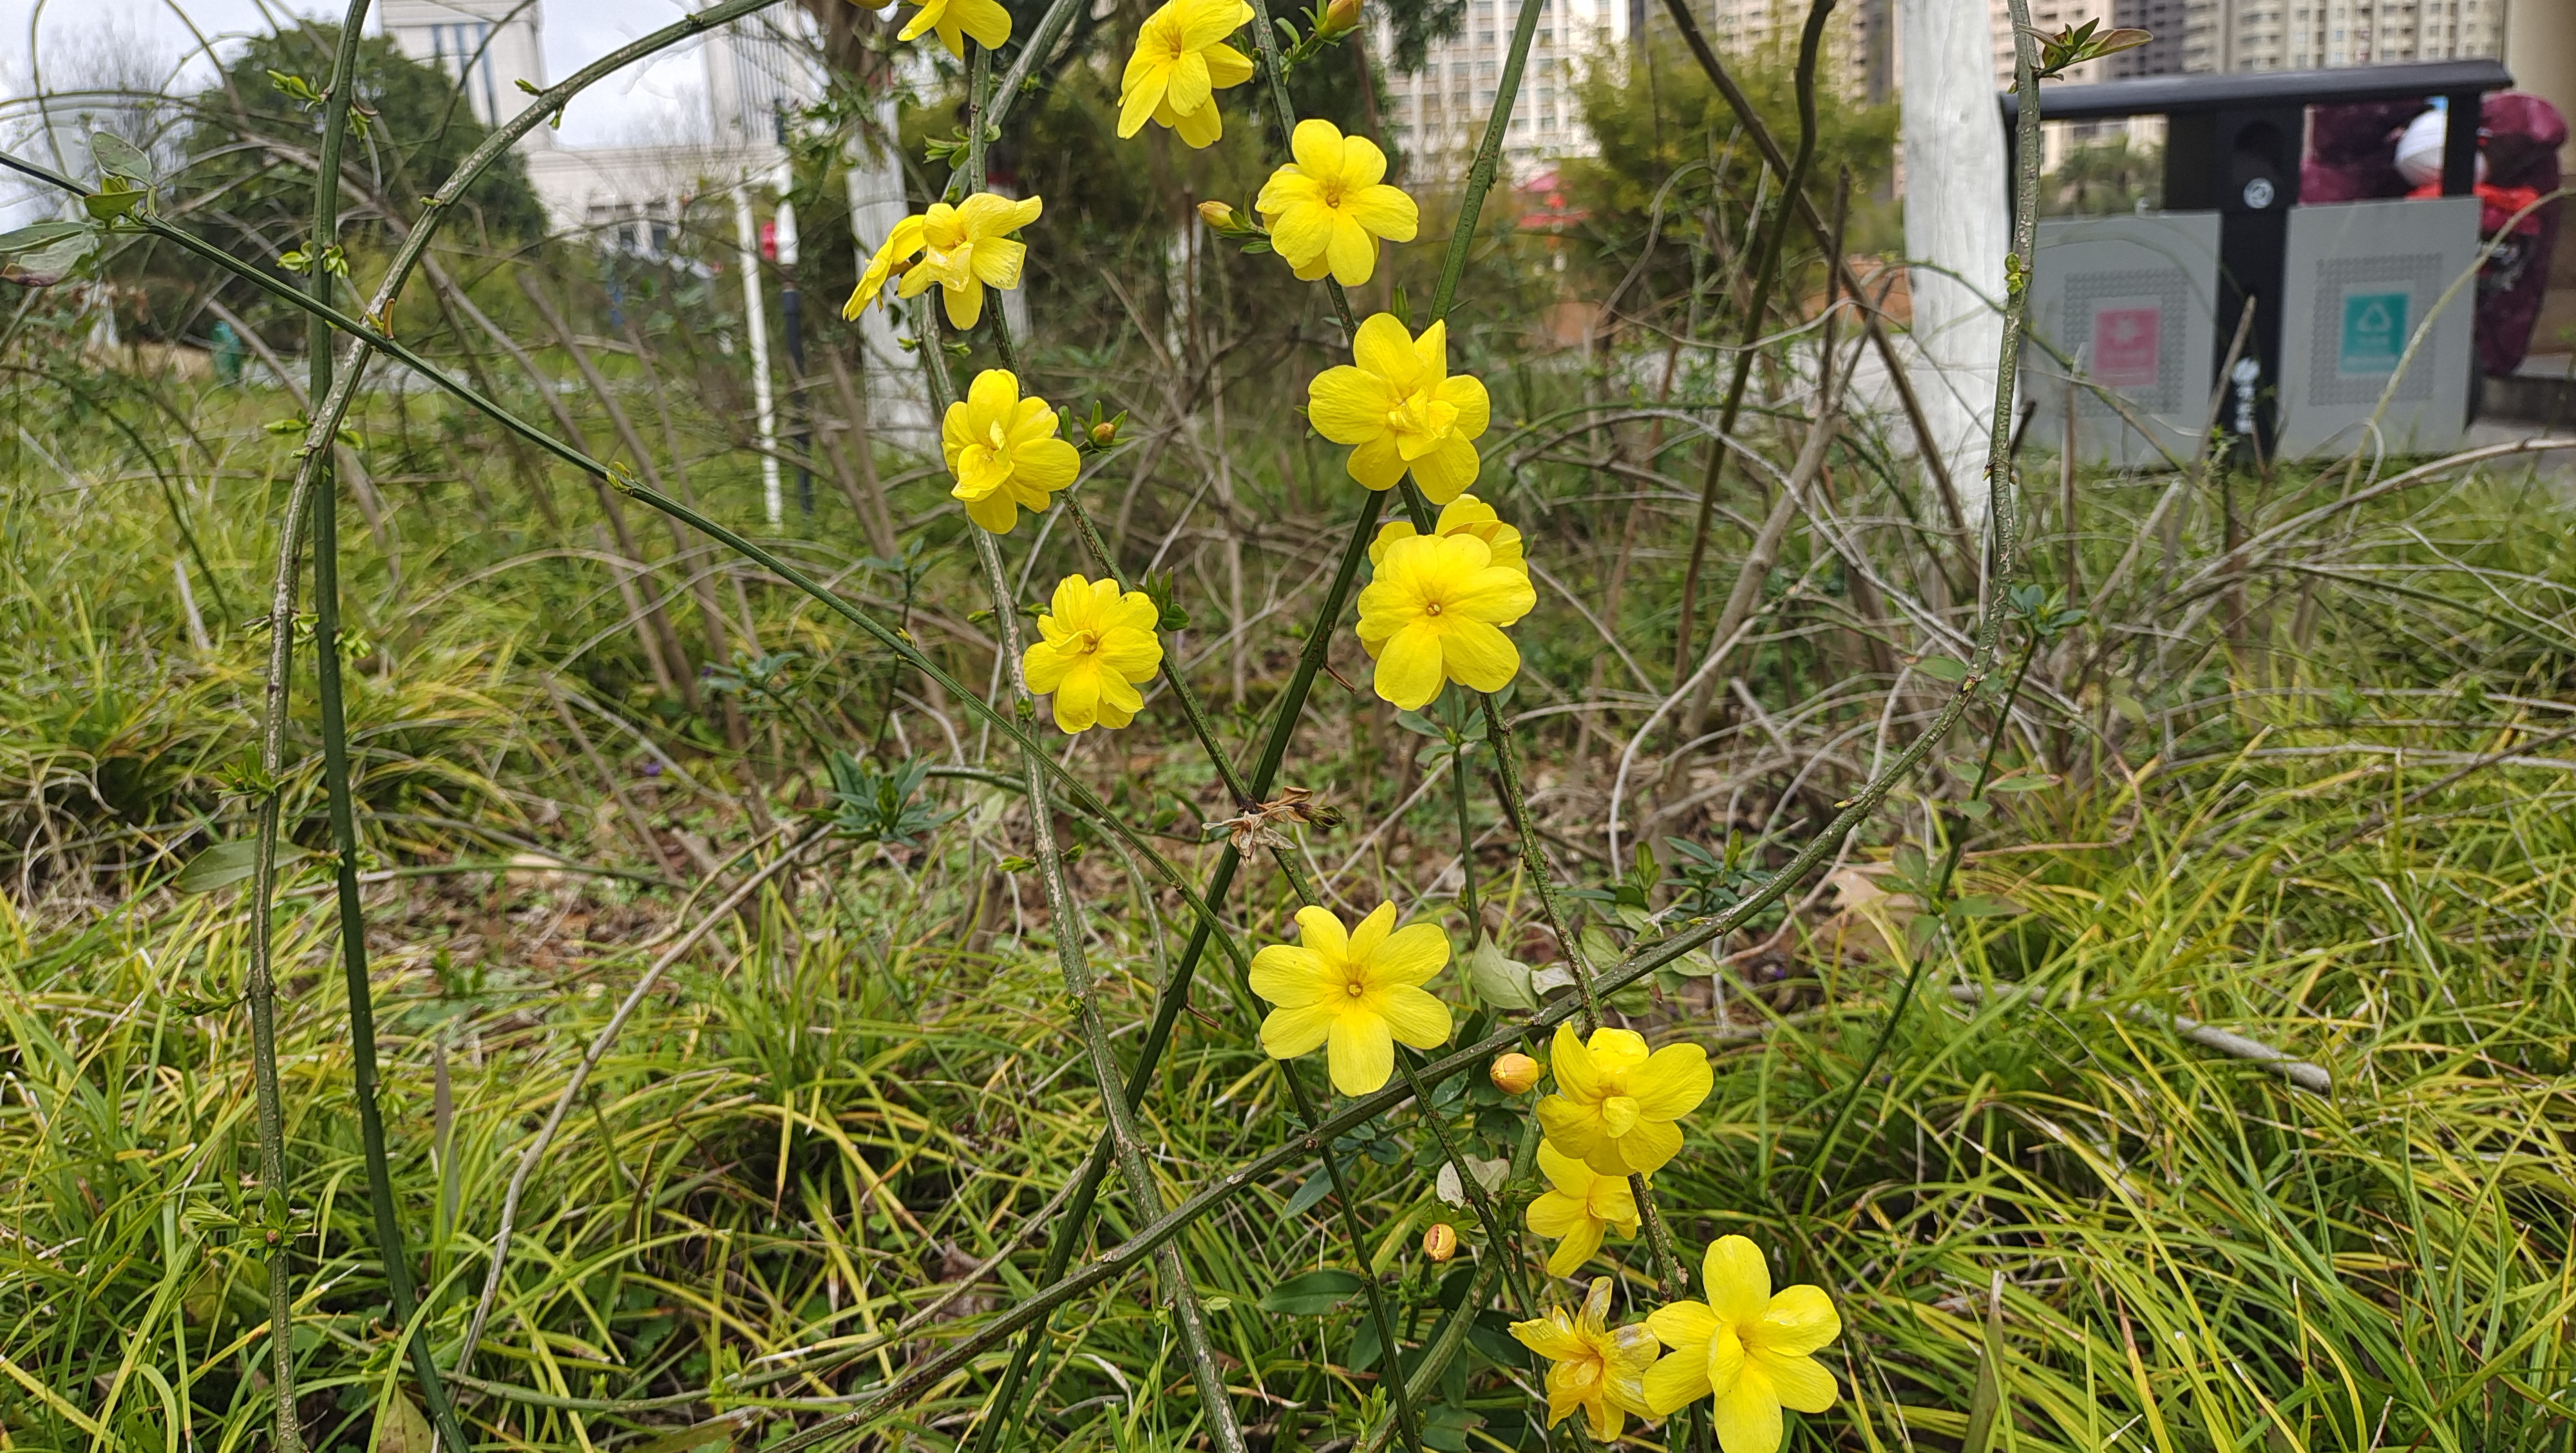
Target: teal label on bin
<point x="2374" y="332"/>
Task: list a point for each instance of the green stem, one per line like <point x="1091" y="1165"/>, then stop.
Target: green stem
<point x="2003" y="538"/>
<point x="1176" y="990"/>
<point x="1265" y="38"/>
<point x="1489" y="155"/>
<point x="1766" y="277"/>
<point x="329" y="697"/>
<point x="1498" y="1231"/>
<point x="1467" y="901"/>
<point x="1065" y="914"/>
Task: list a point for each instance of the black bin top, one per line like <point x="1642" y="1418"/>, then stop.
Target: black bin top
<point x="2233" y="90"/>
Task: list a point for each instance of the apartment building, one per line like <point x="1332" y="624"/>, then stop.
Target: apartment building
<point x="629" y="197"/>
<point x="1438" y="114"/>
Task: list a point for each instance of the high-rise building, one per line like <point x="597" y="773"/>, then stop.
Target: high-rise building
<point x="629" y="197"/>
<point x="1437" y="115"/>
<point x="1859" y="54"/>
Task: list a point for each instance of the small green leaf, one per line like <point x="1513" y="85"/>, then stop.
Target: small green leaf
<point x="1310" y="1294"/>
<point x="1309" y="1195"/>
<point x="1501" y="982"/>
<point x="2021" y="784"/>
<point x="1986" y="1403"/>
<point x="225" y="864"/>
<point x="1943" y="668"/>
<point x="117" y="157"/>
<point x="118" y="198"/>
<point x="1975" y="809"/>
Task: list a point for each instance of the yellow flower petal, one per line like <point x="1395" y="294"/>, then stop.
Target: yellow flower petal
<point x="1384" y="210"/>
<point x="1317" y="145"/>
<point x="1478" y="656"/>
<point x="1736" y="1280"/>
<point x="1361" y="1052"/>
<point x="1382" y="347"/>
<point x="1747" y="1415"/>
<point x="1376" y="464"/>
<point x="1675" y="1080"/>
<point x="1646" y="1149"/>
<point x="1288" y="1033"/>
<point x="1801" y="1383"/>
<point x="1351" y="251"/>
<point x="1320" y="931"/>
<point x="1348" y="405"/>
<point x="1077" y="698"/>
<point x="1675" y="1382"/>
<point x="1796" y="1322"/>
<point x="1289" y="976"/>
<point x="1415" y="1017"/>
<point x="985" y="20"/>
<point x="1448" y="469"/>
<point x="1681" y="1325"/>
<point x="1411" y="954"/>
<point x="1410" y="668"/>
<point x="1370" y="933"/>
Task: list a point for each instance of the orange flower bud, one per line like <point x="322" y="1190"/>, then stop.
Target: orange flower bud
<point x="1440" y="1242"/>
<point x="1341" y="17"/>
<point x="1104" y="433"/>
<point x="1514" y="1074"/>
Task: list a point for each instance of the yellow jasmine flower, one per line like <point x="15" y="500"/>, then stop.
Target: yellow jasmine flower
<point x="1435" y="614"/>
<point x="963" y="248"/>
<point x="985" y="20"/>
<point x="1595" y="1367"/>
<point x="1745" y="1347"/>
<point x="1396" y="401"/>
<point x="1615" y="1104"/>
<point x="1465" y="515"/>
<point x="1096" y="647"/>
<point x="1356" y="993"/>
<point x="1328" y="208"/>
<point x="1580" y="1205"/>
<point x="1004" y="451"/>
<point x="1181" y="62"/>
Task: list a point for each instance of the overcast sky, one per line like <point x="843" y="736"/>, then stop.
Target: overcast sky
<point x="641" y="104"/>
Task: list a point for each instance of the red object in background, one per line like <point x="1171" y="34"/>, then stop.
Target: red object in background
<point x="1543" y="204"/>
<point x="2126" y="347"/>
<point x="769" y="240"/>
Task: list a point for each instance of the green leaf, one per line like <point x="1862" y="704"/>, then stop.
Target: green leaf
<point x="1985" y="907"/>
<point x="45" y="253"/>
<point x="2021" y="784"/>
<point x="116" y="199"/>
<point x="1986" y="1403"/>
<point x="1310" y="1294"/>
<point x="1501" y="982"/>
<point x="1974" y="809"/>
<point x="117" y="157"/>
<point x="1943" y="668"/>
<point x="1310" y="1194"/>
<point x="225" y="864"/>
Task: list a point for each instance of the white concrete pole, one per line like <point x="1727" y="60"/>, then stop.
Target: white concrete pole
<point x="747" y="254"/>
<point x="1957" y="224"/>
<point x="897" y="396"/>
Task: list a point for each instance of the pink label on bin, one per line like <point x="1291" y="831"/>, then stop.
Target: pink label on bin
<point x="2126" y="345"/>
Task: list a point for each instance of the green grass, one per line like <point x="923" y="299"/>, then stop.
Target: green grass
<point x="850" y="1096"/>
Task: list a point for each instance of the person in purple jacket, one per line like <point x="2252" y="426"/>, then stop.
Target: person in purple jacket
<point x="2352" y="157"/>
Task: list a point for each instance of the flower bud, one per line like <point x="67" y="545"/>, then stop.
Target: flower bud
<point x="1440" y="1242"/>
<point x="1105" y="433"/>
<point x="1514" y="1074"/>
<point x="1220" y="216"/>
<point x="1341" y="17"/>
